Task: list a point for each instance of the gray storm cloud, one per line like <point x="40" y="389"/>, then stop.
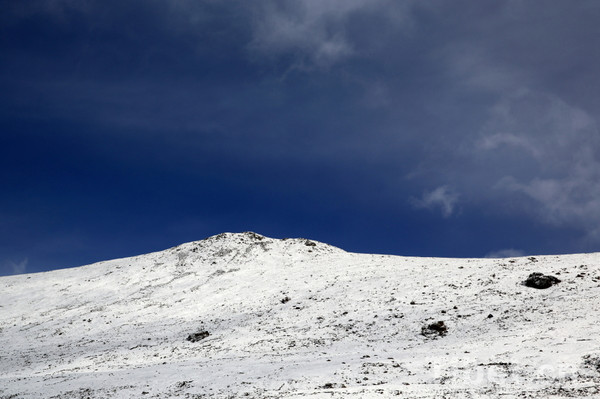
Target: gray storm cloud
<point x="557" y="145"/>
<point x="498" y="102"/>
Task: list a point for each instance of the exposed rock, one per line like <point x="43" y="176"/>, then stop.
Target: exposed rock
<point x="254" y="236"/>
<point x="331" y="385"/>
<point x="435" y="329"/>
<point x="540" y="281"/>
<point x="195" y="337"/>
<point x="592" y="362"/>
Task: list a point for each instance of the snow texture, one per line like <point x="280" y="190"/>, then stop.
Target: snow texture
<point x="294" y="318"/>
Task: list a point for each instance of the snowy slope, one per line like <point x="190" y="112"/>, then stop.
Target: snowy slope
<point x="296" y="318"/>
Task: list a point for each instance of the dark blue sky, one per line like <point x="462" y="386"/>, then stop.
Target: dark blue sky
<point x="430" y="128"/>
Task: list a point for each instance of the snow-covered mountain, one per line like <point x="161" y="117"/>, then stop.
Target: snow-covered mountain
<point x="243" y="315"/>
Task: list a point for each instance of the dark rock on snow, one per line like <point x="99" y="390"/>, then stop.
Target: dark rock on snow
<point x="592" y="362"/>
<point x="195" y="337"/>
<point x="438" y="328"/>
<point x="541" y="281"/>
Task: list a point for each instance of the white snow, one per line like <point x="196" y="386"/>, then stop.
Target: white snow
<point x="351" y="327"/>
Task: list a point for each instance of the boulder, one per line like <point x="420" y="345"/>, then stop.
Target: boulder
<point x="195" y="337"/>
<point x="540" y="281"/>
<point x="435" y="329"/>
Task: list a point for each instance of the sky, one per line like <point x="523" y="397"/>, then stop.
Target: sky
<point x="418" y="128"/>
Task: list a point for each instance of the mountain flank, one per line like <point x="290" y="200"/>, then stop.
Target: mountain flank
<point x="241" y="315"/>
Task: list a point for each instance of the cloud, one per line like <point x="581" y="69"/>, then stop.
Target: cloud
<point x="505" y="253"/>
<point x="556" y="145"/>
<point x="314" y="33"/>
<point x="441" y="198"/>
<point x="536" y="152"/>
<point x="11" y="267"/>
<point x="470" y="65"/>
<point x="496" y="140"/>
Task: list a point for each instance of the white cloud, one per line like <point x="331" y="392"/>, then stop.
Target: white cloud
<point x="313" y="32"/>
<point x="441" y="198"/>
<point x="493" y="141"/>
<point x="11" y="267"/>
<point x="506" y="253"/>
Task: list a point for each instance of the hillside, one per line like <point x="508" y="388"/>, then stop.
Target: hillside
<point x="242" y="315"/>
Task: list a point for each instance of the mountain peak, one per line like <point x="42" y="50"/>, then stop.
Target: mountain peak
<point x="246" y="246"/>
